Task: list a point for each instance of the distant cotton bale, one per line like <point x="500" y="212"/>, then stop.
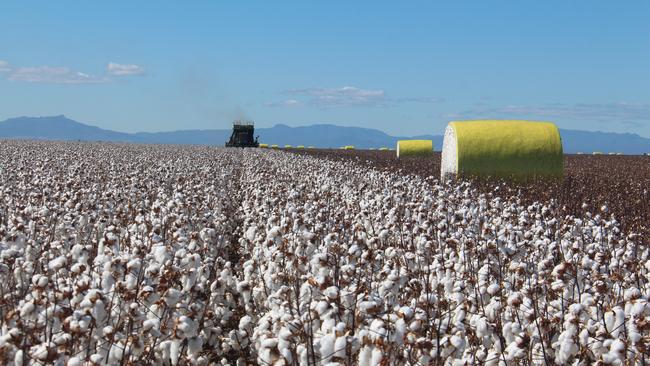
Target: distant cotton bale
<point x="517" y="149"/>
<point x="597" y="153"/>
<point x="300" y="147"/>
<point x="383" y="149"/>
<point x="310" y="147"/>
<point x="348" y="147"/>
<point x="288" y="146"/>
<point x="274" y="146"/>
<point x="264" y="146"/>
<point x="414" y="148"/>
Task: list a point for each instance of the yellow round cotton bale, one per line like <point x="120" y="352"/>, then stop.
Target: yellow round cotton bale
<point x="300" y="147"/>
<point x="414" y="148"/>
<point x="264" y="146"/>
<point x="383" y="149"/>
<point x="288" y="146"/>
<point x="502" y="148"/>
<point x="348" y="147"/>
<point x="274" y="146"/>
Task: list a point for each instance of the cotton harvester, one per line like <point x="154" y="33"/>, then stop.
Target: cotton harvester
<point x="242" y="135"/>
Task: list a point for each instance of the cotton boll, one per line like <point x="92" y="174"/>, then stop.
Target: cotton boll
<point x="19" y="358"/>
<point x="376" y="357"/>
<point x="194" y="346"/>
<point x="57" y="263"/>
<point x="172" y="297"/>
<point x="327" y="344"/>
<point x="174" y="351"/>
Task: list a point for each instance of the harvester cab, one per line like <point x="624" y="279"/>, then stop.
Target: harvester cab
<point x="242" y="135"/>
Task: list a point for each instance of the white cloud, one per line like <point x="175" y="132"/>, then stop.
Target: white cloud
<point x="123" y="70"/>
<point x="285" y="103"/>
<point x="4" y="66"/>
<point x="53" y="75"/>
<point x="425" y="100"/>
<point x="346" y="96"/>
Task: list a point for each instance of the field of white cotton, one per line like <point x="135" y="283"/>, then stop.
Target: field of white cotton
<point x="121" y="254"/>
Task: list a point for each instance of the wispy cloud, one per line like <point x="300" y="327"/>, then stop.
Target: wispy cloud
<point x="419" y="100"/>
<point x="54" y="75"/>
<point x="603" y="112"/>
<point x="285" y="103"/>
<point x="347" y="96"/>
<point x="4" y="66"/>
<point x="123" y="70"/>
<point x="63" y="74"/>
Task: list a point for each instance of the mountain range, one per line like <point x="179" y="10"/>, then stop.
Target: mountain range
<point x="319" y="135"/>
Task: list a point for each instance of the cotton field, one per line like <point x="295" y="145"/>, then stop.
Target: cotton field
<point x="133" y="254"/>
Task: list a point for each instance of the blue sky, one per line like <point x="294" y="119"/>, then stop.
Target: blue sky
<point x="405" y="67"/>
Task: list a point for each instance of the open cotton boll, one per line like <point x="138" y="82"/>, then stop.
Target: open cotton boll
<point x="57" y="263"/>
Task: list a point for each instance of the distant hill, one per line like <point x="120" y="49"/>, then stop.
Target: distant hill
<point x="319" y="135"/>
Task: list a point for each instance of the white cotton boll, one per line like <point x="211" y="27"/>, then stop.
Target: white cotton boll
<point x="19" y="358"/>
<point x="400" y="331"/>
<point x="327" y="347"/>
<point x="567" y="347"/>
<point x="633" y="332"/>
<point x="640" y="307"/>
<point x="172" y="297"/>
<point x="383" y="235"/>
<point x="616" y="354"/>
<point x="40" y="281"/>
<point x="187" y="327"/>
<point x="194" y="346"/>
<point x="245" y="323"/>
<point x="57" y="263"/>
<point x="151" y="324"/>
<point x="175" y="351"/>
<point x="493" y="289"/>
<point x="365" y="356"/>
<point x="27" y="309"/>
<point x="482" y="328"/>
<point x="39" y="352"/>
<point x="584" y="337"/>
<point x="116" y="352"/>
<point x="575" y="309"/>
<point x="331" y="292"/>
<point x="99" y="312"/>
<point x="96" y="358"/>
<point x="457" y="342"/>
<point x="340" y="347"/>
<point x="405" y="312"/>
<point x="250" y="233"/>
<point x="377" y="356"/>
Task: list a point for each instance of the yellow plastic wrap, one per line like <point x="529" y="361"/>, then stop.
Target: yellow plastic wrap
<point x="414" y="148"/>
<point x="518" y="149"/>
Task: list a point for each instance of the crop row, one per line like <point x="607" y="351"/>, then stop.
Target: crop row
<point x="189" y="255"/>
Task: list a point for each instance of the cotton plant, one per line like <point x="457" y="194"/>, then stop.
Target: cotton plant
<point x="111" y="254"/>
